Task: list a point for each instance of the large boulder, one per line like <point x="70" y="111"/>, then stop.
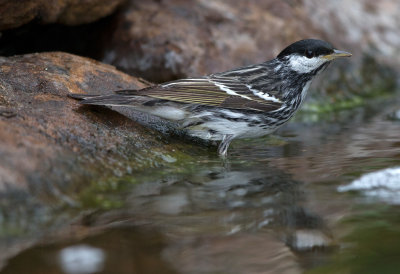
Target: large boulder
<point x="188" y="38"/>
<point x="52" y="148"/>
<point x="69" y="12"/>
<point x="176" y="38"/>
<point x="165" y="40"/>
<point x="39" y="123"/>
<point x="44" y="132"/>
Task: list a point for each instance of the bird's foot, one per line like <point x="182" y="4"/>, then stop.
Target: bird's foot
<point x="224" y="145"/>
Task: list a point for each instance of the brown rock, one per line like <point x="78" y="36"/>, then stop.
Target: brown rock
<point x="364" y="26"/>
<point x="69" y="12"/>
<point x="164" y="40"/>
<point x="51" y="147"/>
<point x="42" y="129"/>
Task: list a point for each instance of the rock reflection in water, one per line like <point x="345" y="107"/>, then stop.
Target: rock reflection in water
<point x="216" y="203"/>
<point x="119" y="250"/>
<point x="212" y="220"/>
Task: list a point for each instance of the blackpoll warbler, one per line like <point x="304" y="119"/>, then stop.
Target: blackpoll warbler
<point x="246" y="102"/>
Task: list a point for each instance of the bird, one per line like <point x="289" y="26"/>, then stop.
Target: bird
<point x="245" y="102"/>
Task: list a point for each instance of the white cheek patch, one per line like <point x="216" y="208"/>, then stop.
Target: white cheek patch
<point x="302" y="64"/>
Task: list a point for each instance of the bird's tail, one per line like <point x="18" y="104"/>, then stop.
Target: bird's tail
<point x="104" y="100"/>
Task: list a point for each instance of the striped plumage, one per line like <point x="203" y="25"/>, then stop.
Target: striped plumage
<point x="246" y="102"/>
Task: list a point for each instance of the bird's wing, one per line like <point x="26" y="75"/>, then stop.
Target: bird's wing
<point x="226" y="92"/>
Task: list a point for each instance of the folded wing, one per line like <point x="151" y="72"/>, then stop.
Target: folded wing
<point x="225" y="92"/>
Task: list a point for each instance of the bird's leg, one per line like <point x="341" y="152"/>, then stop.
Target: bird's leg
<point x="224" y="145"/>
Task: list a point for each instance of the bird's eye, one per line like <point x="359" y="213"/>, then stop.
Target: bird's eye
<point x="309" y="54"/>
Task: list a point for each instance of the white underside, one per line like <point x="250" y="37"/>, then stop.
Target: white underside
<point x="169" y="113"/>
<point x="218" y="126"/>
<point x="226" y="127"/>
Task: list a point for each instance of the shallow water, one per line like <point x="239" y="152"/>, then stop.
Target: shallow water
<point x="274" y="207"/>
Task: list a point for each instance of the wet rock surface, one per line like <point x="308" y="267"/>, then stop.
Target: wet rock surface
<point x="50" y="146"/>
<point x="69" y="12"/>
<point x="39" y="123"/>
<point x="383" y="185"/>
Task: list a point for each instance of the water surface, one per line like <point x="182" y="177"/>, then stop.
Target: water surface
<point x="274" y="207"/>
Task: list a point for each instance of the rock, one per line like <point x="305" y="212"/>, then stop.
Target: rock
<point x="165" y="40"/>
<point x="82" y="258"/>
<point x="382" y="185"/>
<point x="38" y="122"/>
<point x="171" y="39"/>
<point x="309" y="239"/>
<point x="368" y="26"/>
<point x="394" y="116"/>
<point x="69" y="12"/>
<point x="51" y="147"/>
<point x="41" y="128"/>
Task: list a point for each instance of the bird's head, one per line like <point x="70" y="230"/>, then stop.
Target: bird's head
<point x="310" y="55"/>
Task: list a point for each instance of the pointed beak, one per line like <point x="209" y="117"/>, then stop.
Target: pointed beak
<point x="337" y="53"/>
